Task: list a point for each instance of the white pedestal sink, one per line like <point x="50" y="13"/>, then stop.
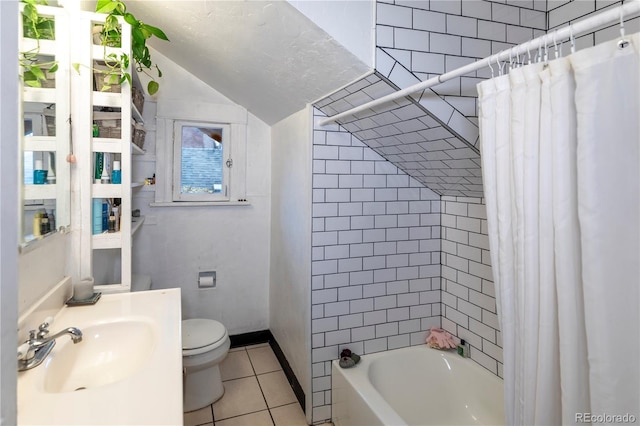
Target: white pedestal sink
<point x="126" y="370"/>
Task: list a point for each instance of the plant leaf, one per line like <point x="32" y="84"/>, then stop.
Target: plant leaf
<point x="153" y="87"/>
<point x="156" y="32"/>
<point x="37" y="72"/>
<point x="129" y="18"/>
<point x="54" y="68"/>
<point x="106" y="6"/>
<point x="33" y="83"/>
<point x="138" y="36"/>
<point x="159" y="72"/>
<point x="76" y="66"/>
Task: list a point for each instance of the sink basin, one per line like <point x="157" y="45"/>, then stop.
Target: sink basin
<point x="108" y="353"/>
<point x="127" y="370"/>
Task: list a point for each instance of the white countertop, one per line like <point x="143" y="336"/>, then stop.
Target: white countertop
<point x="151" y="395"/>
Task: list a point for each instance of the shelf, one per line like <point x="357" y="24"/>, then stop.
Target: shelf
<point x="47" y="47"/>
<point x="106" y="190"/>
<point x="137" y="115"/>
<point x="136" y="223"/>
<point x="135" y="185"/>
<point x="107" y="240"/>
<point x="38" y="192"/>
<point x="39" y="94"/>
<point x="107" y="145"/>
<point x="107" y="99"/>
<point x="136" y="150"/>
<point x="146" y="188"/>
<point x="40" y="143"/>
<point x="100" y="52"/>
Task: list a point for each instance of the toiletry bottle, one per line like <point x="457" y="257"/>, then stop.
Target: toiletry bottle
<point x="52" y="220"/>
<point x="96" y="130"/>
<point x="44" y="224"/>
<point x="112" y="223"/>
<point x="463" y="349"/>
<point x="99" y="166"/>
<point x="96" y="221"/>
<point x="116" y="213"/>
<point x="106" y="166"/>
<point x="116" y="174"/>
<point x="105" y="215"/>
<point x="39" y="174"/>
<point x="36" y="225"/>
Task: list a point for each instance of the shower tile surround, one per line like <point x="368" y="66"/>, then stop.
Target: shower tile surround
<point x="375" y="256"/>
<point x="432" y="137"/>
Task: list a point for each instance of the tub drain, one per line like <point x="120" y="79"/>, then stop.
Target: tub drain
<point x="80" y="388"/>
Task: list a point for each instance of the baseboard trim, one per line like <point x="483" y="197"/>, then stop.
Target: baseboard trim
<point x="252" y="338"/>
<point x="265" y="336"/>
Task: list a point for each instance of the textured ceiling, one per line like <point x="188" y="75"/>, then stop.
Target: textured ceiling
<point x="420" y="134"/>
<point x="263" y="55"/>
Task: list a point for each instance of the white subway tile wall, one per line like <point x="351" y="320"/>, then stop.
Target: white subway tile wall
<point x="561" y="13"/>
<point x="423" y="136"/>
<point x="376" y="256"/>
<point x="468" y="295"/>
<point x="454" y="32"/>
<point x="390" y="257"/>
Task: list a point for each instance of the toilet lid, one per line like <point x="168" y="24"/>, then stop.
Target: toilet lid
<point x="198" y="333"/>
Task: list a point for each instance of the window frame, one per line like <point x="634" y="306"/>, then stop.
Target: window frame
<point x="170" y="111"/>
<point x="227" y="162"/>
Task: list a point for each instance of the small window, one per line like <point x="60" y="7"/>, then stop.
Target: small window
<point x="201" y="161"/>
<point x="201" y="155"/>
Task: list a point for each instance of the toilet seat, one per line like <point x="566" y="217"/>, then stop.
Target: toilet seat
<point x="202" y="335"/>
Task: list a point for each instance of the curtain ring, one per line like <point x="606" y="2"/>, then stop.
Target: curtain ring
<point x="573" y="40"/>
<point x="529" y="51"/>
<point x="623" y="41"/>
<point x="490" y="67"/>
<point x="555" y="44"/>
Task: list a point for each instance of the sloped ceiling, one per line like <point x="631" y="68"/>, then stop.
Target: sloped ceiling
<point x="420" y="134"/>
<point x="263" y="55"/>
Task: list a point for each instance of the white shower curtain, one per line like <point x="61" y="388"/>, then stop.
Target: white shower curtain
<point x="561" y="170"/>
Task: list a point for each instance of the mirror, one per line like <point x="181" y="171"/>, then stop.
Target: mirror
<point x="44" y="173"/>
<point x="44" y="105"/>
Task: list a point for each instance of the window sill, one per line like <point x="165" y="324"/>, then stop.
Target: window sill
<point x="200" y="204"/>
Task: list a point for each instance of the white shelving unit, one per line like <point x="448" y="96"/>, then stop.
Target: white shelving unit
<point x="86" y="102"/>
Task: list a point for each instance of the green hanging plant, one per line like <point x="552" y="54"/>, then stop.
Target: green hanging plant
<point x="111" y="35"/>
<point x="34" y="69"/>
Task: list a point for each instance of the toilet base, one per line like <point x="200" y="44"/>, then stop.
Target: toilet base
<point x="202" y="388"/>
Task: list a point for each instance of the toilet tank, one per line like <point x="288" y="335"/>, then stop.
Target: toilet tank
<point x="140" y="282"/>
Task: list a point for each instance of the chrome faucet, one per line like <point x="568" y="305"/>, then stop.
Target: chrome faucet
<point x="35" y="349"/>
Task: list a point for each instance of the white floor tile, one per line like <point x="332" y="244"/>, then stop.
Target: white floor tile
<point x="236" y="365"/>
<point x="276" y="389"/>
<point x="242" y="396"/>
<point x="288" y="415"/>
<point x="261" y="418"/>
<point x="263" y="359"/>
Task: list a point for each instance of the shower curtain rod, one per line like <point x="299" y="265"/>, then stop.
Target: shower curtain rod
<point x="571" y="30"/>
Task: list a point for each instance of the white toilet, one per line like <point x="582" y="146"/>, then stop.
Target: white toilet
<point x="205" y="343"/>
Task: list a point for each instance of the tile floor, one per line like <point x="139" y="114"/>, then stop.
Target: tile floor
<point x="257" y="393"/>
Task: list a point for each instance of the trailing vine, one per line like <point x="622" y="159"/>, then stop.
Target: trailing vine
<point x="37" y="27"/>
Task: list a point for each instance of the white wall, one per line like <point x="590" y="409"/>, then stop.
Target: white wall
<point x="175" y="243"/>
<point x="350" y="23"/>
<point x="8" y="210"/>
<point x="290" y="284"/>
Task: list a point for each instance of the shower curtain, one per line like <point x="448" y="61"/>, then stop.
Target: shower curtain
<point x="560" y="161"/>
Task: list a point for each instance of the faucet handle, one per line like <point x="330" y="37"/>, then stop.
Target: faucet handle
<point x="23" y="351"/>
<point x="43" y="329"/>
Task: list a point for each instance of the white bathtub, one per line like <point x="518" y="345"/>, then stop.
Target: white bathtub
<point x="416" y="386"/>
